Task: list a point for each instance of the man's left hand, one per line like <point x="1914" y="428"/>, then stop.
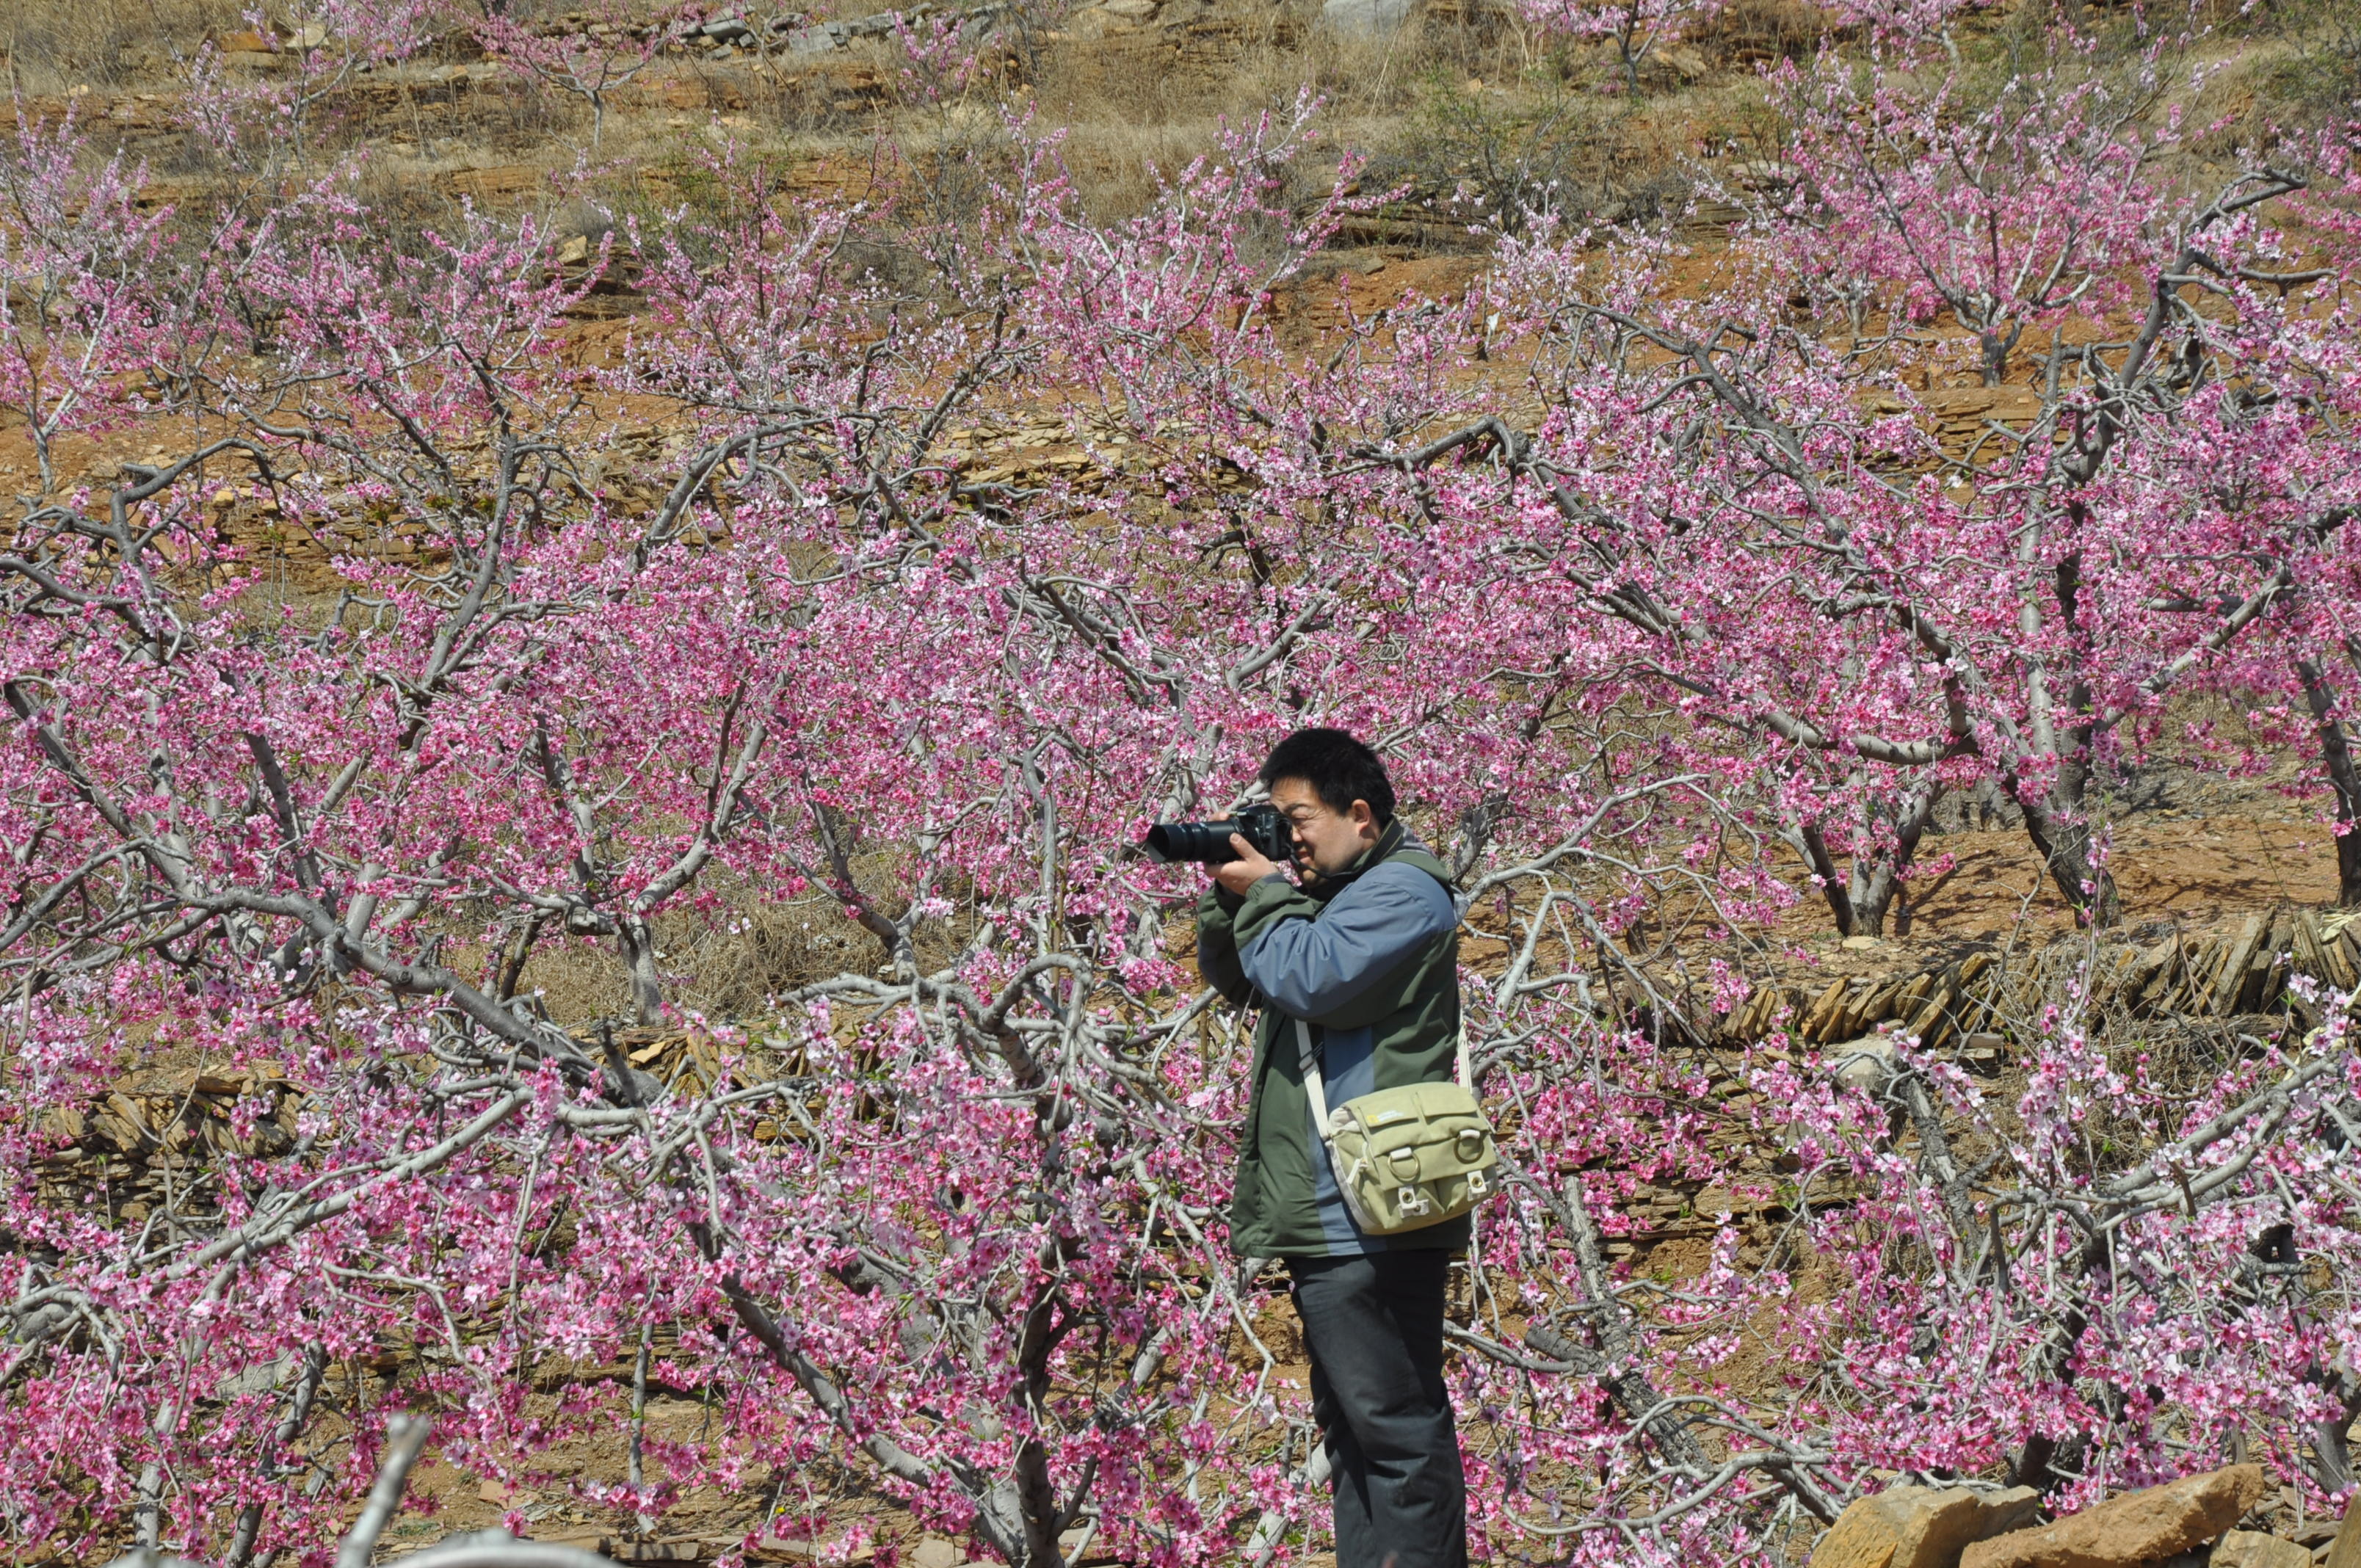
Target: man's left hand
<point x="1249" y="868"/>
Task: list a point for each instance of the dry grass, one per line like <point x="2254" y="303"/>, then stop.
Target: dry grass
<point x="732" y="959"/>
<point x="1466" y="102"/>
<point x="53" y="45"/>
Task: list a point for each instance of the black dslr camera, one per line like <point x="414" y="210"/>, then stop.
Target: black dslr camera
<point x="1208" y="843"/>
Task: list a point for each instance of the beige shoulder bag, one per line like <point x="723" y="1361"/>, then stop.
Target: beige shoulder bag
<point x="1408" y="1157"/>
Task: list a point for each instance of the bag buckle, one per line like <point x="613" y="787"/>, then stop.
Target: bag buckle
<point x="1413" y="1201"/>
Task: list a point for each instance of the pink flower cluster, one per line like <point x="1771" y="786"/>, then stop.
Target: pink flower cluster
<point x="1693" y="582"/>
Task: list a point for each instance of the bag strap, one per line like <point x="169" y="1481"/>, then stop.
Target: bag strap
<point x="1308" y="1060"/>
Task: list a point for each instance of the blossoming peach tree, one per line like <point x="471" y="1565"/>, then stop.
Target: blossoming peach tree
<point x="948" y="1218"/>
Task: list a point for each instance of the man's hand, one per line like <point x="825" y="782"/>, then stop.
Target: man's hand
<point x="1248" y="868"/>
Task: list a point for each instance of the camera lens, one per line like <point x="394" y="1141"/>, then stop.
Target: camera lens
<point x="1208" y="843"/>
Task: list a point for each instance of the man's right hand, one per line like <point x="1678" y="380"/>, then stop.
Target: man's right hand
<point x="1249" y="868"/>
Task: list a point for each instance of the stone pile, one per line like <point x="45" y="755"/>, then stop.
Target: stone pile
<point x="151" y="1140"/>
<point x="821" y="37"/>
<point x="1198" y="40"/>
<point x="2242" y="966"/>
<point x="1976" y="425"/>
<point x="2190" y="1523"/>
<point x="2149" y="1527"/>
<point x="1971" y="425"/>
<point x="739" y="33"/>
<point x="1932" y="1002"/>
<point x="1921" y="1527"/>
<point x="2345" y="1552"/>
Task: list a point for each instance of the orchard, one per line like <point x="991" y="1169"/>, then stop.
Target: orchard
<point x="1677" y="617"/>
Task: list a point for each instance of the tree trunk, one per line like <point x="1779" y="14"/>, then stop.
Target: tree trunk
<point x="2337" y="755"/>
<point x="2058" y="823"/>
<point x="2036" y="1463"/>
<point x="636" y="942"/>
<point x="1996" y="345"/>
<point x="1860" y="898"/>
<point x="1880" y="882"/>
<point x="1813" y="845"/>
<point x="2059" y="820"/>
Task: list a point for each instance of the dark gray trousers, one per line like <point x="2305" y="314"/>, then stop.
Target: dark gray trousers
<point x="1374" y="1325"/>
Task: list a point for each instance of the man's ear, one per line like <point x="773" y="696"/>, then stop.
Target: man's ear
<point x="1363" y="814"/>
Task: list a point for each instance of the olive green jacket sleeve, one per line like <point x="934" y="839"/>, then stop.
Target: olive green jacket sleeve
<point x="1217" y="947"/>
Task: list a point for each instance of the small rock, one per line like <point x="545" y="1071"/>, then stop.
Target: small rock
<point x="1861" y="943"/>
<point x="247" y="42"/>
<point x="589" y="219"/>
<point x="2252" y="1548"/>
<point x="2141" y="1528"/>
<point x="258" y="1379"/>
<point x="1866" y="1063"/>
<point x="1135" y="9"/>
<point x="1920" y="1526"/>
<point x="933" y="1552"/>
<point x="1364" y="18"/>
<point x="310" y="36"/>
<point x="1686" y="62"/>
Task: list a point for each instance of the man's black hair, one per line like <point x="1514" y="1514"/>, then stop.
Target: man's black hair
<point x="1339" y="769"/>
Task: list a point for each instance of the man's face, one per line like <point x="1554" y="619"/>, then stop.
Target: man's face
<point x="1326" y="841"/>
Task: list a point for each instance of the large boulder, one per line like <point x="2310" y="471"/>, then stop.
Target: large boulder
<point x="1920" y="1526"/>
<point x="2141" y="1528"/>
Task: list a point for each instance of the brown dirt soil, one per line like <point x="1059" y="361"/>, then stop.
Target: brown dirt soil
<point x="2187" y="870"/>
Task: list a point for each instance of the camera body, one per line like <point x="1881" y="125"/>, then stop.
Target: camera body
<point x="1208" y="843"/>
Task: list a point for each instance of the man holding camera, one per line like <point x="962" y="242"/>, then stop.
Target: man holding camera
<point x="1365" y="949"/>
